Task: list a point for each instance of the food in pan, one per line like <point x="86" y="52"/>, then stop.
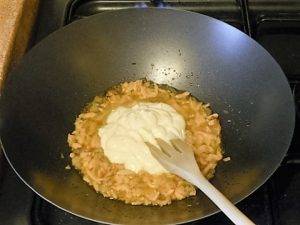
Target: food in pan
<point x="108" y="141"/>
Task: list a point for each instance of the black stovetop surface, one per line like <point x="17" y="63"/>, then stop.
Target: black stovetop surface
<point x="274" y="24"/>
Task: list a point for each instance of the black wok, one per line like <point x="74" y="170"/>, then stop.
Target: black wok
<point x="214" y="61"/>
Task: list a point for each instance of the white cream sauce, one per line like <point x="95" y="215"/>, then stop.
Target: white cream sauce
<point x="123" y="137"/>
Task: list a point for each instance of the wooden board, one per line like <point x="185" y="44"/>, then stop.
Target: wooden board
<point x="16" y="22"/>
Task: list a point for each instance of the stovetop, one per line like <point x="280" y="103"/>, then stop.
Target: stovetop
<point x="274" y="24"/>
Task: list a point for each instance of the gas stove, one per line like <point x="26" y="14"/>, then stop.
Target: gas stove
<point x="274" y="24"/>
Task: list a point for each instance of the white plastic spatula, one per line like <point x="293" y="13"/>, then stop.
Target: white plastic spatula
<point x="179" y="159"/>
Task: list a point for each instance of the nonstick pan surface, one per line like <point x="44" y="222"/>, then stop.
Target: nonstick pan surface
<point x="217" y="63"/>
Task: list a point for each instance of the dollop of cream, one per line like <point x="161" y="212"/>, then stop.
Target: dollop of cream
<point x="128" y="128"/>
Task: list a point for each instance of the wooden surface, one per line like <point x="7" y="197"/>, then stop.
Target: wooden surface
<point x="16" y="22"/>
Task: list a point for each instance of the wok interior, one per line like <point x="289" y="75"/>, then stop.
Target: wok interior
<point x="213" y="61"/>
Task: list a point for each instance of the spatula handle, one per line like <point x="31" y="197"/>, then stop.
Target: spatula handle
<point x="229" y="209"/>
